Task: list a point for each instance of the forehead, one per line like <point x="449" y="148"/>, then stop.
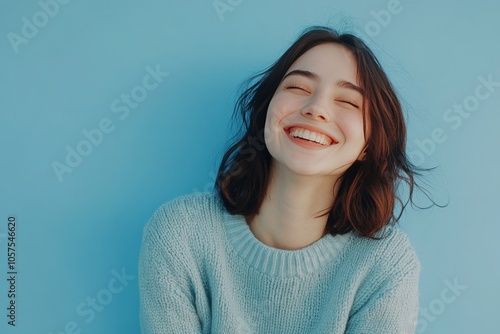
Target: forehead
<point x="330" y="61"/>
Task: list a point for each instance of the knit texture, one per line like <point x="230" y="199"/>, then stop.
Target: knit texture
<point x="201" y="270"/>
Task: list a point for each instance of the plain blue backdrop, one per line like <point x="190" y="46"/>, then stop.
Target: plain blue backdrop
<point x="67" y="68"/>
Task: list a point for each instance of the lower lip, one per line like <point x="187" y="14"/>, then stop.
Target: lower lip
<point x="306" y="143"/>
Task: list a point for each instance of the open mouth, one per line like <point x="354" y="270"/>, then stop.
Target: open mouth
<point x="310" y="136"/>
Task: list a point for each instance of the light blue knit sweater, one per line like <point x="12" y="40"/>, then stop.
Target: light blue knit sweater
<point x="201" y="270"/>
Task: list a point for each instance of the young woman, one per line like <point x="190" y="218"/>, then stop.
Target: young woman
<point x="300" y="235"/>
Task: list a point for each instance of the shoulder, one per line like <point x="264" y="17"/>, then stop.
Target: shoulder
<point x="182" y="216"/>
<point x="393" y="254"/>
<point x="174" y="241"/>
<point x="188" y="205"/>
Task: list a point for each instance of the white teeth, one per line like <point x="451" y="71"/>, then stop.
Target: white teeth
<point x="313" y="136"/>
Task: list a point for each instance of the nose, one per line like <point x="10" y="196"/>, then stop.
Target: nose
<point x="316" y="109"/>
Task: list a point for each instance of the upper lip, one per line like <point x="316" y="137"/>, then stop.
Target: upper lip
<point x="313" y="128"/>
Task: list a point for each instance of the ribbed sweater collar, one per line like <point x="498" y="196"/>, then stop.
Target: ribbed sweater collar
<point x="278" y="262"/>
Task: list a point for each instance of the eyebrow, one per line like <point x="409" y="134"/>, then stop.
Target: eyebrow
<point x="313" y="76"/>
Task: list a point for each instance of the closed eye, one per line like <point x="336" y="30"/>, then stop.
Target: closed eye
<point x="297" y="87"/>
<point x="352" y="103"/>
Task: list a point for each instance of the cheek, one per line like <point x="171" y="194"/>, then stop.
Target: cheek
<point x="281" y="105"/>
<point x="352" y="126"/>
<point x="278" y="109"/>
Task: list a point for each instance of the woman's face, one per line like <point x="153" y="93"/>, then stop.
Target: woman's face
<point x="319" y="92"/>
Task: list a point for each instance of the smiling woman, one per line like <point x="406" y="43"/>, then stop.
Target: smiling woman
<point x="301" y="237"/>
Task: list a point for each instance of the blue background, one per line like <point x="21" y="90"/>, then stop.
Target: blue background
<point x="75" y="233"/>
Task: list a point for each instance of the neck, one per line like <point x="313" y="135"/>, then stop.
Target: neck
<point x="288" y="218"/>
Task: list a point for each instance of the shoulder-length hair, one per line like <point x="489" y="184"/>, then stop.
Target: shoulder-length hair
<point x="366" y="196"/>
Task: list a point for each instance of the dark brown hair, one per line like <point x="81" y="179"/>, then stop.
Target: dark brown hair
<point x="366" y="196"/>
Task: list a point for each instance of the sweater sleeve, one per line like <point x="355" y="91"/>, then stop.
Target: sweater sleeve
<point x="166" y="299"/>
<point x="393" y="308"/>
